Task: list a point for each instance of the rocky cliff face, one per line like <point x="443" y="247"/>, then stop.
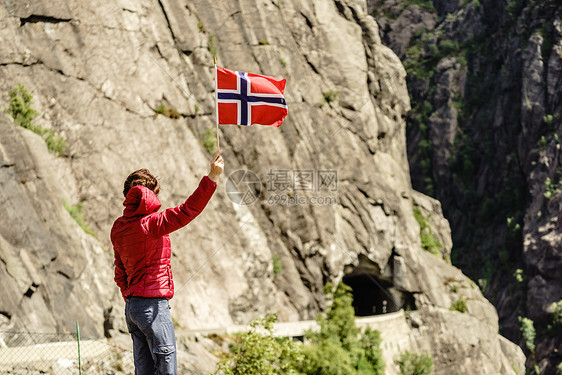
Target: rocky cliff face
<point x="484" y="139"/>
<point x="100" y="71"/>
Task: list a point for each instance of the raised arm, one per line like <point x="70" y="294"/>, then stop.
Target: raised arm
<point x="172" y="219"/>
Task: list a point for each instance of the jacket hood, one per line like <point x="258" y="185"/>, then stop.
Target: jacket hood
<point x="140" y="200"/>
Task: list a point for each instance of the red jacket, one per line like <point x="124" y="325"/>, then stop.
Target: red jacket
<point x="141" y="243"/>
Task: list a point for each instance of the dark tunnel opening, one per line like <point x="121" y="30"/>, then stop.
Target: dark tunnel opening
<point x="373" y="296"/>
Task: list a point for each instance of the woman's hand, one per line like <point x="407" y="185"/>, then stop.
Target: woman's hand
<point x="217" y="166"/>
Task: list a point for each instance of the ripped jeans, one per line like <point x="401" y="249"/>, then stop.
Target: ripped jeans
<point x="154" y="341"/>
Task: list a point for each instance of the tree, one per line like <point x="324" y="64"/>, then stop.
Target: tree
<point x="257" y="352"/>
<point x="340" y="348"/>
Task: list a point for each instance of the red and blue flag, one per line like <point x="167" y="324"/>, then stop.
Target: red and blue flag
<point x="247" y="99"/>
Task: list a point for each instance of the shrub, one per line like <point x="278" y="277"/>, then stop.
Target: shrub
<point x="556" y="325"/>
<point x="340" y="347"/>
<point x="256" y="353"/>
<point x="559" y="369"/>
<point x="19" y="107"/>
<point x="519" y="275"/>
<point x="77" y="213"/>
<point x="168" y="112"/>
<point x="459" y="305"/>
<point x="513" y="8"/>
<point x="212" y="46"/>
<point x="263" y="43"/>
<point x="209" y="141"/>
<point x="277" y="265"/>
<point x="424" y="4"/>
<point x="528" y="332"/>
<point x="550" y="187"/>
<point x="414" y="364"/>
<point x="447" y="47"/>
<point x="548" y="119"/>
<point x="371" y="361"/>
<point x="330" y="96"/>
<point x="428" y="240"/>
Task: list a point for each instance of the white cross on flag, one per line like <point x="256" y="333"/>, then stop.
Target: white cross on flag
<point x="246" y="98"/>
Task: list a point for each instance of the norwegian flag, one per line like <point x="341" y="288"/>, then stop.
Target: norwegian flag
<point x="247" y="99"/>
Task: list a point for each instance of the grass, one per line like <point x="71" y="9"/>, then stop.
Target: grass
<point x="168" y="112"/>
<point x="428" y="240"/>
<point x="414" y="364"/>
<point x="19" y="107"/>
<point x="551" y="188"/>
<point x="459" y="305"/>
<point x="77" y="213"/>
<point x="212" y="46"/>
<point x="209" y="140"/>
<point x="424" y="4"/>
<point x="277" y="265"/>
<point x="330" y="96"/>
<point x="528" y="332"/>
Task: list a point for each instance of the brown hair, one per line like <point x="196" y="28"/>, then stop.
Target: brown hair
<point x="141" y="177"/>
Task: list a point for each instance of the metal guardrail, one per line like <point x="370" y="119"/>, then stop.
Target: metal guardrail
<point x="291" y="329"/>
<point x="60" y="353"/>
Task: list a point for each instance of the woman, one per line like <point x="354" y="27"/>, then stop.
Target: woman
<point x="142" y="264"/>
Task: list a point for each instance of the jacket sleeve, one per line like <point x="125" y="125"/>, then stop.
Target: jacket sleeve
<point x="120" y="274"/>
<point x="167" y="221"/>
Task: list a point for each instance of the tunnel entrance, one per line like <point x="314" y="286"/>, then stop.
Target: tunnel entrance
<point x="371" y="296"/>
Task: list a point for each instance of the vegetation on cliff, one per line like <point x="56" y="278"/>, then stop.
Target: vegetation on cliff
<point x="339" y="348"/>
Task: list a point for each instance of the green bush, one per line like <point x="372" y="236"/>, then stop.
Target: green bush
<point x="559" y="369"/>
<point x="371" y="361"/>
<point x="340" y="347"/>
<point x="415" y="364"/>
<point x="277" y="265"/>
<point x="168" y="112"/>
<point x="550" y="187"/>
<point x="513" y="9"/>
<point x="528" y="332"/>
<point x="330" y="96"/>
<point x="459" y="305"/>
<point x="428" y="239"/>
<point x="447" y="47"/>
<point x="519" y="275"/>
<point x="212" y="46"/>
<point x="548" y="119"/>
<point x="19" y="107"/>
<point x="256" y="353"/>
<point x="556" y="325"/>
<point x="77" y="213"/>
<point x="424" y="4"/>
<point x="209" y="140"/>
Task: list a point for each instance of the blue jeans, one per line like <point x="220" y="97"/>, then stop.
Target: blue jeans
<point x="152" y="330"/>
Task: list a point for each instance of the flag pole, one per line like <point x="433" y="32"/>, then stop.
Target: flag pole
<point x="217" y="106"/>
